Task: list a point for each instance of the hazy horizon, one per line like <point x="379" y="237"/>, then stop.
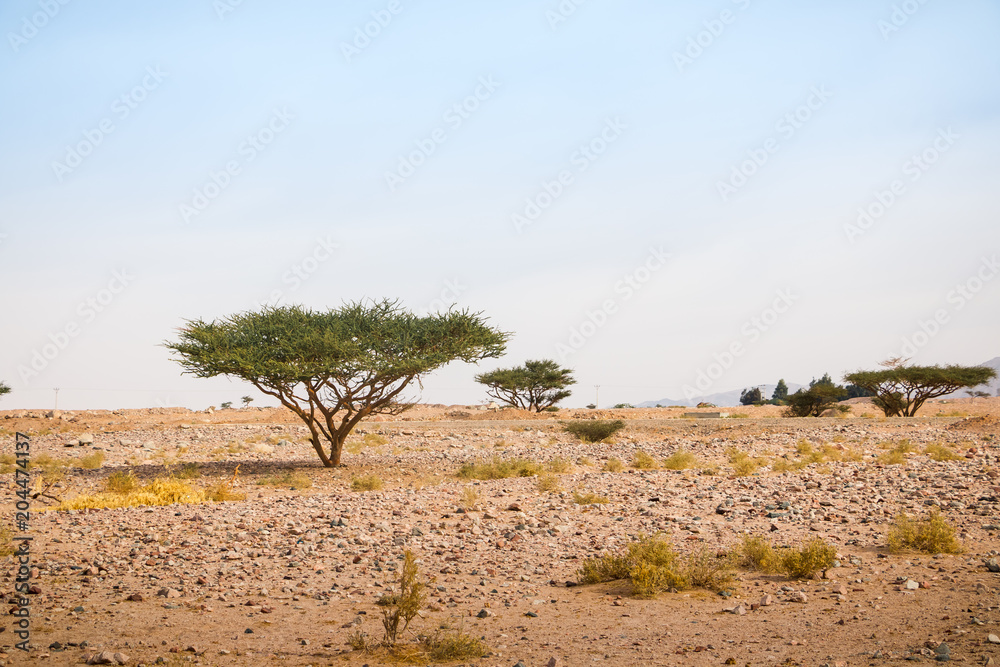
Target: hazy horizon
<point x="644" y="193"/>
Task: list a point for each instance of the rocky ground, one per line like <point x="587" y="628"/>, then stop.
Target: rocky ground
<point x="286" y="575"/>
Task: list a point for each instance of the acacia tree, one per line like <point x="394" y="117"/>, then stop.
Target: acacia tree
<point x="335" y="368"/>
<point x="534" y="386"/>
<point x="4" y="389"/>
<point x="812" y="402"/>
<point x="901" y="390"/>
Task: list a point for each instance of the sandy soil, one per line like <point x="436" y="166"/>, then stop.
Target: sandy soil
<point x="286" y="575"/>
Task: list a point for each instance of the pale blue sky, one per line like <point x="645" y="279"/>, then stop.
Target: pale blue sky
<point x="197" y="85"/>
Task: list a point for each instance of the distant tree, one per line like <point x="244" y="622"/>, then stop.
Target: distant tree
<point x="901" y="390"/>
<point x="825" y="380"/>
<point x="226" y="405"/>
<point x="335" y="368"/>
<point x="534" y="386"/>
<point x="751" y="396"/>
<point x="247" y="400"/>
<point x="591" y="406"/>
<point x="813" y="401"/>
<point x="854" y="391"/>
<point x="623" y="406"/>
<point x="4" y="389"/>
<point x="780" y="391"/>
<point x="978" y="394"/>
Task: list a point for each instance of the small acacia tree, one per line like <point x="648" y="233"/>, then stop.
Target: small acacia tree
<point x="4" y="389"/>
<point x="814" y="400"/>
<point x="534" y="386"/>
<point x="901" y="390"/>
<point x="335" y="368"/>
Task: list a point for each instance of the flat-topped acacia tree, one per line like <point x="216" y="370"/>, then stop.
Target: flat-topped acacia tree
<point x="901" y="390"/>
<point x="335" y="368"/>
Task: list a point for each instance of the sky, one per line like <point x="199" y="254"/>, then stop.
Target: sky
<point x="672" y="199"/>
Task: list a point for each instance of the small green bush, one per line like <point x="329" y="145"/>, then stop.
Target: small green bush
<point x="756" y="553"/>
<point x="594" y="431"/>
<point x="805" y="562"/>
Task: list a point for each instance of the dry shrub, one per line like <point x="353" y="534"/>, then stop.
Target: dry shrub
<point x="499" y="469"/>
<point x="594" y="431"/>
<point x="614" y="465"/>
<point x="933" y="535"/>
<point x="189" y="471"/>
<point x="366" y="483"/>
<point x="806" y="561"/>
<point x="743" y="464"/>
<point x="158" y="492"/>
<point x="6" y="542"/>
<point x="643" y="461"/>
<point x="223" y="490"/>
<point x="557" y="465"/>
<point x="404" y="604"/>
<point x="939" y="452"/>
<point x="290" y="479"/>
<point x="680" y="460"/>
<point x="469" y="498"/>
<point x="652" y="566"/>
<point x="91" y="461"/>
<point x="121" y="482"/>
<point x="548" y="483"/>
<point x="585" y="461"/>
<point x="756" y="553"/>
<point x="451" y="646"/>
<point x="588" y="498"/>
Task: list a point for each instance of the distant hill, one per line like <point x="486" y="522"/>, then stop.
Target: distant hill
<point x="723" y="398"/>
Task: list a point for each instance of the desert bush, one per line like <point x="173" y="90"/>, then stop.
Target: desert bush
<point x="643" y="461"/>
<point x="121" y="482"/>
<point x="91" y="461"/>
<point x="557" y="465"/>
<point x="402" y="605"/>
<point x="588" y="498"/>
<point x="161" y="491"/>
<point x="756" y="553"/>
<point x="548" y="483"/>
<point x="614" y="465"/>
<point x="743" y="464"/>
<point x="290" y="479"/>
<point x="594" y="431"/>
<point x="468" y="499"/>
<point x="938" y="452"/>
<point x="189" y="471"/>
<point x="366" y="483"/>
<point x="680" y="460"/>
<point x="933" y="535"/>
<point x="651" y="565"/>
<point x="499" y="469"/>
<point x="7" y="547"/>
<point x="585" y="461"/>
<point x="453" y="645"/>
<point x="806" y="561"/>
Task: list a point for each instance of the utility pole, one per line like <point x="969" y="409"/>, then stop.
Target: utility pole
<point x="56" y="389"/>
<point x="597" y="396"/>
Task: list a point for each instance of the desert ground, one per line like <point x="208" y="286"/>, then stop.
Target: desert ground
<point x="288" y="573"/>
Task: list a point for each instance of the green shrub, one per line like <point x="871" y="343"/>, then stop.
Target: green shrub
<point x="594" y="431"/>
<point x="743" y="464"/>
<point x="933" y="535"/>
<point x="756" y="553"/>
<point x="938" y="452"/>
